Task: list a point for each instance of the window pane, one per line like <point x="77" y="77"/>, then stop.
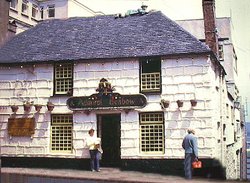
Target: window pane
<point x="13" y="4"/>
<point x="51" y="11"/>
<point x="25" y="7"/>
<point x="61" y="133"/>
<point x="152" y="133"/>
<point x="151" y="74"/>
<point x="34" y="11"/>
<point x="63" y="78"/>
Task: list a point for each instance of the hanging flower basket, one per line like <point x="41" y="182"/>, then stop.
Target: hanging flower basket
<point x="14" y="108"/>
<point x="38" y="107"/>
<point x="50" y="106"/>
<point x="193" y="102"/>
<point x="179" y="103"/>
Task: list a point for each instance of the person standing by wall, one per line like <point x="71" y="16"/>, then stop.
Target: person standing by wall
<point x="93" y="144"/>
<point x="191" y="152"/>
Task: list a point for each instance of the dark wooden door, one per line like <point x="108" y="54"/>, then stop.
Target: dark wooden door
<point x="110" y="132"/>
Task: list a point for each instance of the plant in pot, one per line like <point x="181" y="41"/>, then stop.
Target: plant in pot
<point x="179" y="103"/>
<point x="38" y="107"/>
<point x="164" y="103"/>
<point x="14" y="108"/>
<point x="50" y="106"/>
<point x="193" y="102"/>
<point x="27" y="106"/>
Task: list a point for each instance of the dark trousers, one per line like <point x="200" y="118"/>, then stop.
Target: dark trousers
<point x="94" y="159"/>
<point x="189" y="158"/>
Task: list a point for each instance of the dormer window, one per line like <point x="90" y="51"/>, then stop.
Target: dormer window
<point x="51" y="11"/>
<point x="150" y="75"/>
<point x="221" y="53"/>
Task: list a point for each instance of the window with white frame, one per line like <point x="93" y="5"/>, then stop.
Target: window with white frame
<point x="238" y="128"/>
<point x="221" y="53"/>
<point x="63" y="78"/>
<point x="51" y="11"/>
<point x="41" y="12"/>
<point x="25" y="7"/>
<point x="152" y="133"/>
<point x="13" y="4"/>
<point x="150" y="74"/>
<point x="34" y="11"/>
<point x="61" y="133"/>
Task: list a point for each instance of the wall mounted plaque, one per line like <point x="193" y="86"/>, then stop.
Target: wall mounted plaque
<point x="21" y="126"/>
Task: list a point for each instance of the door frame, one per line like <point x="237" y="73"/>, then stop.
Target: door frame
<point x="100" y="125"/>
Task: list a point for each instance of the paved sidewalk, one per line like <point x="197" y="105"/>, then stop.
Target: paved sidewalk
<point x="106" y="175"/>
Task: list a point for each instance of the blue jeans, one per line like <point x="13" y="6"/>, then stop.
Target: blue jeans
<point x="189" y="158"/>
<point x="94" y="159"/>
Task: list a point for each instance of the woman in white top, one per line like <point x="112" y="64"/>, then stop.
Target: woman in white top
<point x="93" y="143"/>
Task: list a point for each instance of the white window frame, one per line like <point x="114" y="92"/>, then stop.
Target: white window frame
<point x="51" y="11"/>
<point x="34" y="11"/>
<point x="25" y="7"/>
<point x="61" y="133"/>
<point x="63" y="78"/>
<point x="14" y="4"/>
<point x="150" y="77"/>
<point x="152" y="138"/>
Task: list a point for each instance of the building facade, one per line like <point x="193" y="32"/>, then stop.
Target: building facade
<point x="145" y="134"/>
<point x="234" y="126"/>
<point x="141" y="99"/>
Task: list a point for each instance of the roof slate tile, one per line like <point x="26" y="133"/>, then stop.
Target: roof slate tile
<point x="101" y="37"/>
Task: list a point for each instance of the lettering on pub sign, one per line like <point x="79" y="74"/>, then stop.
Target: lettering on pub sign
<point x="106" y="98"/>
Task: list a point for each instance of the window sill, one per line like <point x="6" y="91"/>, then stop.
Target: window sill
<point x="34" y="19"/>
<point x="14" y="10"/>
<point x="25" y="15"/>
<point x="153" y="92"/>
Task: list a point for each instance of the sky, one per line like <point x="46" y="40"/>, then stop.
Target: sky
<point x="238" y="10"/>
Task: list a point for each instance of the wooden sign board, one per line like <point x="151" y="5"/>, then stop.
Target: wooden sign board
<point x="112" y="100"/>
<point x="21" y="126"/>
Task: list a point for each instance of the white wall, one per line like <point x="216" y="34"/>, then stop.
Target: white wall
<point x="183" y="79"/>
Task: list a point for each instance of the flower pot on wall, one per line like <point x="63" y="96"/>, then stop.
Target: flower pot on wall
<point x="164" y="103"/>
<point x="38" y="107"/>
<point x="14" y="108"/>
<point x="193" y="102"/>
<point x="27" y="107"/>
<point x="179" y="103"/>
<point x="50" y="106"/>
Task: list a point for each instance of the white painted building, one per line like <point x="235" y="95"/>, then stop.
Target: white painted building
<point x="53" y="70"/>
<point x="184" y="77"/>
<point x="234" y="126"/>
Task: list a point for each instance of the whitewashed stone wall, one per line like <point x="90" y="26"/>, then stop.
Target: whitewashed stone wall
<point x="182" y="79"/>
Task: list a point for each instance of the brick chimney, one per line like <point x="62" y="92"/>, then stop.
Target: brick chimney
<point x="210" y="25"/>
<point x="4" y="20"/>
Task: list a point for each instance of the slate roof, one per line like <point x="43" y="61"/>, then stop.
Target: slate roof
<point x="101" y="37"/>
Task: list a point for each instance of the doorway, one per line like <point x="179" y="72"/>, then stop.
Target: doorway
<point x="109" y="130"/>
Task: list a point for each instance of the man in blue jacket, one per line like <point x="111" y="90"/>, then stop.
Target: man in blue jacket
<point x="191" y="152"/>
